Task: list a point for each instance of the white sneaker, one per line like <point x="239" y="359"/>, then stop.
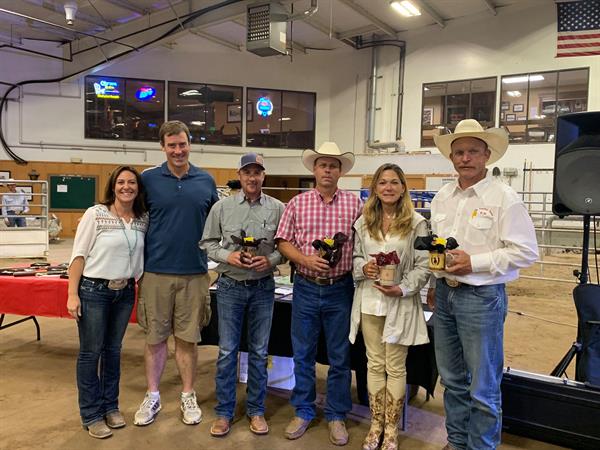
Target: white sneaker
<point x="191" y="412"/>
<point x="148" y="410"/>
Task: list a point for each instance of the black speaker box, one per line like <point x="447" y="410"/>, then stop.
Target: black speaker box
<point x="576" y="187"/>
<point x="551" y="409"/>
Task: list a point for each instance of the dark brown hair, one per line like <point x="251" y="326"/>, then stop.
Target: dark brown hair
<point x="139" y="204"/>
<point x="173" y="128"/>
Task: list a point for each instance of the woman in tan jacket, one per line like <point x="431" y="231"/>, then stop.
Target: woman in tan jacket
<point x="390" y="316"/>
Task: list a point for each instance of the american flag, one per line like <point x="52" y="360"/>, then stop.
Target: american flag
<point x="578" y="28"/>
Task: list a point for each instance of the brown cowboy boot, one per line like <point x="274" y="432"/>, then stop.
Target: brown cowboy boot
<point x="377" y="407"/>
<point x="393" y="413"/>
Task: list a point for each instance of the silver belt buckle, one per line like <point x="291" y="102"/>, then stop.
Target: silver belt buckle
<point x="117" y="285"/>
<point x="322" y="281"/>
<point x="452" y="283"/>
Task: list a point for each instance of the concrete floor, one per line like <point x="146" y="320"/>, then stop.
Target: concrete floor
<point x="38" y="400"/>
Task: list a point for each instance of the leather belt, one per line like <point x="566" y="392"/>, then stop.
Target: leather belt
<point x="110" y="283"/>
<point x="454" y="283"/>
<point x="248" y="283"/>
<point x="322" y="281"/>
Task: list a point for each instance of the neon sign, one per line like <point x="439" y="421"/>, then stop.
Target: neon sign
<point x="107" y="89"/>
<point x="145" y="93"/>
<point x="264" y="107"/>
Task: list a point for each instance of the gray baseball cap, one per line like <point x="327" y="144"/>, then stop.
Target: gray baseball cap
<point x="252" y="158"/>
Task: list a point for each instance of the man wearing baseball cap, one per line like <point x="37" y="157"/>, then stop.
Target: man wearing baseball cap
<point x="496" y="238"/>
<point x="14" y="204"/>
<point x="239" y="236"/>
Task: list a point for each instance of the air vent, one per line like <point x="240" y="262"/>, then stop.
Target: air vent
<point x="266" y="33"/>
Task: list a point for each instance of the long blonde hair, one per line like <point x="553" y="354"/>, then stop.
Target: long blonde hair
<point x="373" y="210"/>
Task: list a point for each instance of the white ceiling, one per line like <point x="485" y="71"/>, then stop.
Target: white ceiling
<point x="335" y="24"/>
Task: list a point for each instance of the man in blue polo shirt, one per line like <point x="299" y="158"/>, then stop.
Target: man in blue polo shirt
<point x="173" y="292"/>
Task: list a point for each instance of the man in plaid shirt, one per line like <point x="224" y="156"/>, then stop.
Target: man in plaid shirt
<point x="322" y="294"/>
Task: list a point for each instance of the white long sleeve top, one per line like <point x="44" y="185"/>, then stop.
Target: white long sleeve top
<point x="491" y="224"/>
<point x="111" y="247"/>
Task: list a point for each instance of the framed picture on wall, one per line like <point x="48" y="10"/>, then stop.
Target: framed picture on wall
<point x="4" y="174"/>
<point x="518" y="107"/>
<point x="510" y="117"/>
<point x="504" y="106"/>
<point x="27" y="190"/>
<point x="427" y="116"/>
<point x="234" y="113"/>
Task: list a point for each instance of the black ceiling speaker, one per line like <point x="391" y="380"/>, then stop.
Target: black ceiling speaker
<point x="576" y="187"/>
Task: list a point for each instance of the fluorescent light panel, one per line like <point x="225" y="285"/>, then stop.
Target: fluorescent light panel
<point x="406" y="8"/>
<point x="522" y="79"/>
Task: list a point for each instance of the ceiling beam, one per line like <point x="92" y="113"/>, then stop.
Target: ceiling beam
<point x="370" y="17"/>
<point x="491" y="6"/>
<point x="331" y="33"/>
<point x="34" y="8"/>
<point x="217" y="40"/>
<point x="423" y="6"/>
<point x="357" y="32"/>
<point x="128" y="6"/>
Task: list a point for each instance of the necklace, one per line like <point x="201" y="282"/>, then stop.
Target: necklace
<point x="129" y="247"/>
<point x="389" y="216"/>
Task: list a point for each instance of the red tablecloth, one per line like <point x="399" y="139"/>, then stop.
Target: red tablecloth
<point x="36" y="296"/>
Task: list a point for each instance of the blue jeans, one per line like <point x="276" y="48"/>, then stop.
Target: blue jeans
<point x="469" y="331"/>
<point x="314" y="306"/>
<point x="104" y="317"/>
<point x="234" y="302"/>
<point x="15" y="221"/>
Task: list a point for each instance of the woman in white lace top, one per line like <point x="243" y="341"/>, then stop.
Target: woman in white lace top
<point x="106" y="262"/>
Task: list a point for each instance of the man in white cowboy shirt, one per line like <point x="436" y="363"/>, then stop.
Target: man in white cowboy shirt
<point x="322" y="294"/>
<point x="496" y="238"/>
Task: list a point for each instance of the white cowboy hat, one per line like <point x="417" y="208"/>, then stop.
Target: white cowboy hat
<point x="495" y="138"/>
<point x="331" y="150"/>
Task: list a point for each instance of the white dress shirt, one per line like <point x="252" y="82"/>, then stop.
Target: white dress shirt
<point x="491" y="224"/>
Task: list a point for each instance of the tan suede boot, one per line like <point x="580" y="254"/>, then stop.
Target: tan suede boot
<point x="377" y="407"/>
<point x="393" y="413"/>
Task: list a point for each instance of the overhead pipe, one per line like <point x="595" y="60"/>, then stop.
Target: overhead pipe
<point x="314" y="7"/>
<point x="398" y="145"/>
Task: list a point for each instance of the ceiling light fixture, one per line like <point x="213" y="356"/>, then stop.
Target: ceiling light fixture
<point x="70" y="12"/>
<point x="522" y="79"/>
<point x="406" y="8"/>
<point x="513" y="93"/>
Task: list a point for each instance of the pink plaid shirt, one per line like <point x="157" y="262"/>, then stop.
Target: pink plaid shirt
<point x="307" y="217"/>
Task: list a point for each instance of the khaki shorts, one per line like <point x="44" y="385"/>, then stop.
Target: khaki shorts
<point x="172" y="304"/>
